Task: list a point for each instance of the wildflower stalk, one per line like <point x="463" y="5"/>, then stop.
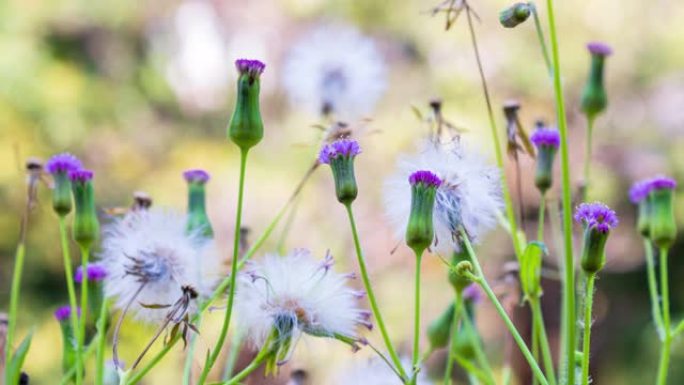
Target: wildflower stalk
<point x="667" y="340"/>
<point x="416" y="319"/>
<point x="480" y="355"/>
<point x="542" y="218"/>
<point x="452" y="341"/>
<point x="653" y="289"/>
<point x="543" y="339"/>
<point x="81" y="335"/>
<point x="101" y="340"/>
<point x="254" y="365"/>
<point x="71" y="290"/>
<point x="586" y="340"/>
<point x="587" y="159"/>
<point x="371" y="296"/>
<point x="14" y="302"/>
<point x="211" y="359"/>
<point x="535" y="347"/>
<point x="478" y="278"/>
<point x="68" y="377"/>
<point x="568" y="312"/>
<point x="510" y="213"/>
<point x="231" y="360"/>
<point x="475" y="374"/>
<point x="540" y="36"/>
<point x="190" y="356"/>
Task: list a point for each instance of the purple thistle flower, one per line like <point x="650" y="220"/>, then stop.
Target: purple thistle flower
<point x="81" y="175"/>
<point x="196" y="175"/>
<point x="64" y="162"/>
<point x="598" y="48"/>
<point x="639" y="191"/>
<point x="662" y="182"/>
<point x="425" y="177"/>
<point x="472" y="293"/>
<point x="96" y="273"/>
<point x="253" y="68"/>
<point x="64" y="312"/>
<point x="546" y="137"/>
<point x="341" y="147"/>
<point x="597" y="215"/>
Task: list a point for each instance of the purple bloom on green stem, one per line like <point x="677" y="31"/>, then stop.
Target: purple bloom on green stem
<point x="597" y="215"/>
<point x="662" y="182"/>
<point x="640" y="190"/>
<point x="96" y="272"/>
<point x="64" y="312"/>
<point x="196" y="175"/>
<point x="81" y="175"/>
<point x="472" y="293"/>
<point x="251" y="67"/>
<point x="63" y="162"/>
<point x="425" y="177"/>
<point x="341" y="147"/>
<point x="598" y="48"/>
<point x="546" y="137"/>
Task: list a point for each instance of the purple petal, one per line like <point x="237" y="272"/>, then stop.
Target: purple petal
<point x="64" y="162"/>
<point x="425" y="177"/>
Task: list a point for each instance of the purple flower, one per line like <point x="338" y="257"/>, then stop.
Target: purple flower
<point x="341" y="147"/>
<point x="596" y="215"/>
<point x="472" y="293"/>
<point x="196" y="175"/>
<point x="546" y="137"/>
<point x="63" y="163"/>
<point x="81" y="175"/>
<point x="64" y="312"/>
<point x="425" y="177"/>
<point x="253" y="68"/>
<point x="640" y="190"/>
<point x="662" y="182"/>
<point x="598" y="48"/>
<point x="96" y="272"/>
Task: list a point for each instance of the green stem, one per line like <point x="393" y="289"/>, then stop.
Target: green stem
<point x="190" y="355"/>
<point x="653" y="289"/>
<point x="101" y="339"/>
<point x="535" y="346"/>
<point x="480" y="355"/>
<point x="416" y="318"/>
<point x="71" y="290"/>
<point x="480" y="280"/>
<point x="231" y="360"/>
<point x="667" y="341"/>
<point x="254" y="365"/>
<point x="538" y="319"/>
<point x="81" y="334"/>
<point x="569" y="327"/>
<point x="14" y="304"/>
<point x="69" y="375"/>
<point x="452" y="341"/>
<point x="542" y="218"/>
<point x="510" y="213"/>
<point x="587" y="159"/>
<point x="233" y="275"/>
<point x="473" y="370"/>
<point x="586" y="341"/>
<point x="678" y="329"/>
<point x="371" y="296"/>
<point x="542" y="41"/>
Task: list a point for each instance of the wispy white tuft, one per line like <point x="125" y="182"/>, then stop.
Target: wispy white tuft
<point x="299" y="290"/>
<point x="470" y="194"/>
<point x="375" y="372"/>
<point x="150" y="249"/>
<point x="335" y="68"/>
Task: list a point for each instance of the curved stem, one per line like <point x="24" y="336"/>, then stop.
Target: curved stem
<point x="231" y="360"/>
<point x="480" y="280"/>
<point x="71" y="290"/>
<point x="81" y="334"/>
<point x="371" y="296"/>
<point x="233" y="275"/>
<point x="117" y="328"/>
<point x="416" y="319"/>
<point x="542" y="218"/>
<point x="587" y="159"/>
<point x="656" y="313"/>
<point x="538" y="319"/>
<point x="101" y="339"/>
<point x="542" y="41"/>
<point x="568" y="327"/>
<point x="480" y="355"/>
<point x="14" y="304"/>
<point x="667" y="341"/>
<point x="254" y="365"/>
<point x="452" y="340"/>
<point x="586" y="341"/>
<point x="190" y="355"/>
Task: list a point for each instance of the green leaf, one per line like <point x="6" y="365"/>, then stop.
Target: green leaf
<point x="17" y="360"/>
<point x="530" y="269"/>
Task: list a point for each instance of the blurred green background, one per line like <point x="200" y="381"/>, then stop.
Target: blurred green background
<point x="108" y="81"/>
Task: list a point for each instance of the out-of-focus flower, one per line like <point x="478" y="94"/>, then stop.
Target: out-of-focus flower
<point x="469" y="195"/>
<point x="335" y="70"/>
<point x="59" y="166"/>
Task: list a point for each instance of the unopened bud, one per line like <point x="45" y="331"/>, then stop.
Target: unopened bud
<point x="439" y="330"/>
<point x="340" y="156"/>
<point x="59" y="167"/>
<point x="547" y="141"/>
<point x="86" y="228"/>
<point x="246" y="128"/>
<point x="663" y="230"/>
<point x="594" y="99"/>
<point x="598" y="220"/>
<point x="198" y="220"/>
<point x="514" y="15"/>
<point x="420" y="231"/>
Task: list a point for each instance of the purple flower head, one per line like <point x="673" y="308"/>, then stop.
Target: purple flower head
<point x="341" y="147"/>
<point x="81" y="175"/>
<point x="253" y="68"/>
<point x="639" y="191"/>
<point x="546" y="137"/>
<point x="661" y="182"/>
<point x="472" y="293"/>
<point x="598" y="48"/>
<point x="596" y="215"/>
<point x="425" y="177"/>
<point x="63" y="163"/>
<point x="196" y="175"/>
<point x="96" y="272"/>
<point x="64" y="312"/>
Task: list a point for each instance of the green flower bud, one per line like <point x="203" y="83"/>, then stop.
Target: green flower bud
<point x="530" y="269"/>
<point x="663" y="230"/>
<point x="547" y="141"/>
<point x="458" y="281"/>
<point x="598" y="220"/>
<point x="440" y="329"/>
<point x="246" y="128"/>
<point x="340" y="156"/>
<point x="594" y="99"/>
<point x="466" y="341"/>
<point x="644" y="218"/>
<point x="86" y="226"/>
<point x="515" y="14"/>
<point x="420" y="231"/>
<point x="198" y="220"/>
<point x="63" y="316"/>
<point x="59" y="167"/>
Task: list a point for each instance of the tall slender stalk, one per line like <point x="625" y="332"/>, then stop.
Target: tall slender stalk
<point x="538" y="319"/>
<point x="14" y="304"/>
<point x="540" y="36"/>
<point x="211" y="359"/>
<point x="101" y="340"/>
<point x="667" y="341"/>
<point x="587" y="159"/>
<point x="371" y="297"/>
<point x="586" y="340"/>
<point x="569" y="327"/>
<point x="416" y="319"/>
<point x="451" y="349"/>
<point x="480" y="355"/>
<point x="653" y="290"/>
<point x="71" y="290"/>
<point x="540" y="224"/>
<point x="81" y="334"/>
<point x="190" y="356"/>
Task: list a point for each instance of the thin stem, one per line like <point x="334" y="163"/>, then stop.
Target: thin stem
<point x="69" y="375"/>
<point x="153" y="362"/>
<point x="480" y="355"/>
<point x="542" y="218"/>
<point x="190" y="355"/>
<point x="71" y="290"/>
<point x="452" y="340"/>
<point x="254" y="365"/>
<point x="569" y="327"/>
<point x="510" y="213"/>
<point x="653" y="289"/>
<point x="287" y="226"/>
<point x="473" y="370"/>
<point x="586" y="341"/>
<point x="538" y="319"/>
<point x="231" y="360"/>
<point x="480" y="280"/>
<point x="233" y="275"/>
<point x="101" y="340"/>
<point x="14" y="303"/>
<point x="587" y="159"/>
<point x="535" y="346"/>
<point x="371" y="296"/>
<point x="542" y="41"/>
<point x="117" y="328"/>
<point x="416" y="318"/>
<point x="85" y="256"/>
<point x="665" y="293"/>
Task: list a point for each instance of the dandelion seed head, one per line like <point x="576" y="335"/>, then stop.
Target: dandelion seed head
<point x="63" y="163"/>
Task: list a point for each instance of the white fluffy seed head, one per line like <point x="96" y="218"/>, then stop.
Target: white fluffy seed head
<point x="375" y="372"/>
<point x="151" y="249"/>
<point x="335" y="69"/>
<point x="301" y="289"/>
<point x="470" y="195"/>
